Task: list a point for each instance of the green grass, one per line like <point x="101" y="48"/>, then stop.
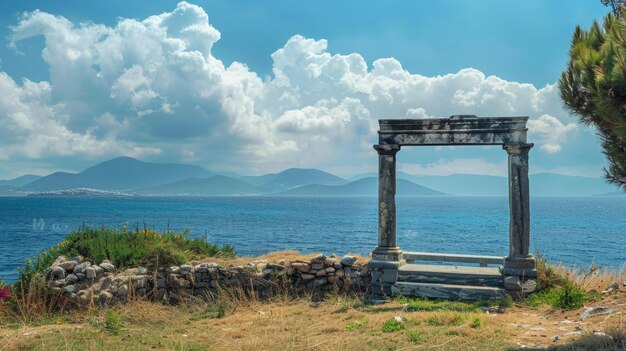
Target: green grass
<point x="425" y="305"/>
<point x="445" y="320"/>
<point x="414" y="336"/>
<point x="113" y="322"/>
<point x="392" y="325"/>
<point x="215" y="311"/>
<point x="356" y="325"/>
<point x="557" y="290"/>
<point x="566" y="297"/>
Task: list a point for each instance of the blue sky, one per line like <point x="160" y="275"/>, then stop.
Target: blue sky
<point x="311" y="104"/>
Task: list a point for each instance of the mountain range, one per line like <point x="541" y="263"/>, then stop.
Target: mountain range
<point x="128" y="175"/>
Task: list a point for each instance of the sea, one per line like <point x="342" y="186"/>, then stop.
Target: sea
<point x="575" y="231"/>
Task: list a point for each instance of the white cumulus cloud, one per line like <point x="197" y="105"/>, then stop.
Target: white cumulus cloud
<point x="153" y="86"/>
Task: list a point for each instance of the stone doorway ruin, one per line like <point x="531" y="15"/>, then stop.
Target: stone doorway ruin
<point x="395" y="271"/>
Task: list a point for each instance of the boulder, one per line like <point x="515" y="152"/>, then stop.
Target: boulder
<point x="90" y="273"/>
<point x="319" y="259"/>
<point x="104" y="298"/>
<point x="122" y="291"/>
<point x="107" y="266"/>
<point x="80" y="268"/>
<point x="348" y="260"/>
<point x="301" y="267"/>
<point x="71" y="279"/>
<point x="70" y="289"/>
<point x="57" y="273"/>
<point x="307" y="277"/>
<point x="68" y="266"/>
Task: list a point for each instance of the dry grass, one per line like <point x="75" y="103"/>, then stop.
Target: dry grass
<point x="338" y="323"/>
<point x="270" y="257"/>
<point x="237" y="320"/>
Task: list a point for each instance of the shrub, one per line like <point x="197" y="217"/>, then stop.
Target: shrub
<point x="556" y="289"/>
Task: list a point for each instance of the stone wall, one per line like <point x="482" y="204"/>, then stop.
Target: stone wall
<point x="83" y="281"/>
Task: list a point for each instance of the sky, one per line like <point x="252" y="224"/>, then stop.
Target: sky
<point x="260" y="86"/>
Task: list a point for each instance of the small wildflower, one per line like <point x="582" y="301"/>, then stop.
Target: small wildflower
<point x="4" y="294"/>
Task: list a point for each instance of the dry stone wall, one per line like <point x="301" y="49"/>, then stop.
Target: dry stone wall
<point x="84" y="282"/>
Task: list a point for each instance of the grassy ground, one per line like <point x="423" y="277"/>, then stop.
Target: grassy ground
<point x="339" y="323"/>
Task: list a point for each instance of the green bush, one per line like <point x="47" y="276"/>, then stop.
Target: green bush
<point x="556" y="290"/>
<point x="566" y="297"/>
<point x="124" y="248"/>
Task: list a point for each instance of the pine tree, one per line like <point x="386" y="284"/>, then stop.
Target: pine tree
<point x="594" y="87"/>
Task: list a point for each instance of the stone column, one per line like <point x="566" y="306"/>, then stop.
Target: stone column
<point x="387" y="256"/>
<point x="519" y="266"/>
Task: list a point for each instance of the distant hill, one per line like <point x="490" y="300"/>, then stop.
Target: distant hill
<point x="293" y="177"/>
<point x="546" y="184"/>
<point x="213" y="186"/>
<point x="122" y="173"/>
<point x="541" y="184"/>
<point x="20" y="181"/>
<point x="361" y="187"/>
<point x="464" y="184"/>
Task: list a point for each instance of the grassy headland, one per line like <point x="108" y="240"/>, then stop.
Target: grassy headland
<point x="32" y="319"/>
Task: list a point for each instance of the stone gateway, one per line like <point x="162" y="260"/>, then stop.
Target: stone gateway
<point x="395" y="272"/>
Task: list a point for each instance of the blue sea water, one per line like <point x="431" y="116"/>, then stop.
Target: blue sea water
<point x="578" y="231"/>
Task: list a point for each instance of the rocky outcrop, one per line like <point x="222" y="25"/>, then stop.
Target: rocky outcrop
<point x="85" y="282"/>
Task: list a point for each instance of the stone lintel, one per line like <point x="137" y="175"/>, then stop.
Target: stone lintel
<point x="457" y="130"/>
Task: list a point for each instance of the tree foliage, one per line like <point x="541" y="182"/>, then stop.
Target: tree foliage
<point x="594" y="87"/>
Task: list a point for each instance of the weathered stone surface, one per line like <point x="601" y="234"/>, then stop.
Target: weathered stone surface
<point x="104" y="298"/>
<point x="139" y="281"/>
<point x="317" y="266"/>
<point x="177" y="281"/>
<point x="301" y="266"/>
<point x="185" y="268"/>
<point x="80" y="268"/>
<point x="122" y="291"/>
<point x="99" y="270"/>
<point x="348" y="260"/>
<point x="142" y="271"/>
<point x="307" y="277"/>
<point x="109" y="288"/>
<point x="68" y="266"/>
<point x="71" y="279"/>
<point x="107" y="266"/>
<point x="57" y="273"/>
<point x="90" y="273"/>
<point x="70" y="289"/>
<point x="320" y="281"/>
<point x="318" y="259"/>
